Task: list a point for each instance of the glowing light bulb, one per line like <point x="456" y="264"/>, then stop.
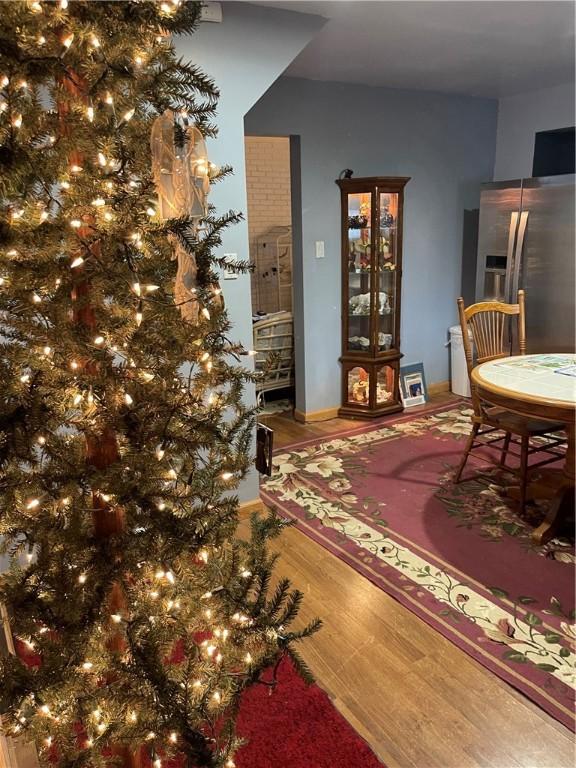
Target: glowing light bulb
<point x="74" y="365"/>
<point x="128" y="115"/>
<point x="101" y="159"/>
<point x="161" y="505"/>
<point x="82" y="578"/>
<point x="217" y="696"/>
<point x="77" y="261"/>
<point x="157" y="763"/>
<point x="4" y="80"/>
<point x="63" y="4"/>
<point x="44" y="215"/>
<point x="160" y="454"/>
<point x="108" y="216"/>
<point x="41" y="440"/>
<point x="45" y="709"/>
<point x="94" y="42"/>
<point x="108" y="98"/>
<point x="128" y="399"/>
<point x="17" y="121"/>
<point x="47" y="350"/>
<point x="137" y="289"/>
<point x="133" y="717"/>
<point x="65" y="184"/>
<point x="76" y="168"/>
<point x="90" y="113"/>
<point x="205" y="356"/>
<point x="139" y="317"/>
<point x="36" y="299"/>
<point x="76" y="223"/>
<point x="150" y="735"/>
<point x="138" y="60"/>
<point x="25" y="378"/>
<point x="245" y="573"/>
<point x="116" y="618"/>
<point x="173" y="737"/>
<point x="206" y="313"/>
<point x="151" y="211"/>
<point x="172" y="474"/>
<point x="87" y="666"/>
<point x="99" y="340"/>
<point x="227" y="475"/>
<point x="77" y="399"/>
<point x="152" y="288"/>
<point x="67" y="42"/>
<point x="98" y="202"/>
<point x="41" y="40"/>
<point x="248" y="659"/>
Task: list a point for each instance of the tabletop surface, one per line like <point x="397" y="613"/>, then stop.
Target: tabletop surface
<point x="550" y="377"/>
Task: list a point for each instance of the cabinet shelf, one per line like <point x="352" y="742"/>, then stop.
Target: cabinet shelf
<point x="371" y="282"/>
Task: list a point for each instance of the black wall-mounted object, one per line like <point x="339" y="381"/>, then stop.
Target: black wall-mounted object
<point x="554" y="152"/>
<point x="264" y="448"/>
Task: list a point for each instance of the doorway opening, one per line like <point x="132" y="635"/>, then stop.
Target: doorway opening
<point x="271" y="245"/>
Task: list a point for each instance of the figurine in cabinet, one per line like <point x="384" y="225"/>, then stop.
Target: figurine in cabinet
<point x="371" y="275"/>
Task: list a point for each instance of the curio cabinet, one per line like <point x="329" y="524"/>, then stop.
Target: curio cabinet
<point x="371" y="282"/>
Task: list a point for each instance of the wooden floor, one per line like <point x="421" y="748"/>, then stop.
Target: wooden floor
<point x="414" y="696"/>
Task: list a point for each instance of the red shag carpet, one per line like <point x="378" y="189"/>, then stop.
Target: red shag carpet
<point x="297" y="726"/>
<point x="381" y="498"/>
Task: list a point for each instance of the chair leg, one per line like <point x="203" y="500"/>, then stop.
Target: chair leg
<point x="505" y="447"/>
<point x="523" y="472"/>
<point x="467" y="450"/>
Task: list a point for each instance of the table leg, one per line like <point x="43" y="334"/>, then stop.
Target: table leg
<point x="564" y="498"/>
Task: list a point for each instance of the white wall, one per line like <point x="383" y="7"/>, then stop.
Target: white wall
<point x="520" y="117"/>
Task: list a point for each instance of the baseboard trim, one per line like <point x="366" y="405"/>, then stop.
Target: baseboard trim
<point x="308" y="417"/>
<point x="247" y="508"/>
<point x="437" y="387"/>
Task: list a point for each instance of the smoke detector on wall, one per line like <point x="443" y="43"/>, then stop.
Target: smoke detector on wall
<point x="211" y="12"/>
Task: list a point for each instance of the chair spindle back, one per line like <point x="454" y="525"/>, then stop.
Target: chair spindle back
<point x="488" y="322"/>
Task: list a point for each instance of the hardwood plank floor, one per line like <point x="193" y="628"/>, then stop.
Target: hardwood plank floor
<point x="416" y="698"/>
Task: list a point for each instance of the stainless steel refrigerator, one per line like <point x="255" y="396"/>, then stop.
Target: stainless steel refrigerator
<point x="526" y="240"/>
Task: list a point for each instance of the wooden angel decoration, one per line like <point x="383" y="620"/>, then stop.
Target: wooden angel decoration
<point x="182" y="178"/>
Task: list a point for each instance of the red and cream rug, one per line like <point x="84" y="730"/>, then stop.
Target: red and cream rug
<point x="381" y="498"/>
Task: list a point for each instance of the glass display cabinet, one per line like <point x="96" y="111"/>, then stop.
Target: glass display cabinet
<point x="371" y="276"/>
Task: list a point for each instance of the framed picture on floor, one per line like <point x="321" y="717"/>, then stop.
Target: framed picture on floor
<point x="413" y="385"/>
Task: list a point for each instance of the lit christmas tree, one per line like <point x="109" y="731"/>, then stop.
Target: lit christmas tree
<point x="138" y="615"/>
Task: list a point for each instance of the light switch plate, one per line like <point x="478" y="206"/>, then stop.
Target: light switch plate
<point x="228" y="274"/>
<point x="319" y="249"/>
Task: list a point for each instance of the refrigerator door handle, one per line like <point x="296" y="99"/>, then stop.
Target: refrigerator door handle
<point x="518" y="254"/>
<point x="510" y="252"/>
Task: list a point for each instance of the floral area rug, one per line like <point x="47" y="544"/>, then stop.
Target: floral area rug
<point x="381" y="498"/>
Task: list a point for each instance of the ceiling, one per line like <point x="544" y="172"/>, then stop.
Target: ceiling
<point x="477" y="47"/>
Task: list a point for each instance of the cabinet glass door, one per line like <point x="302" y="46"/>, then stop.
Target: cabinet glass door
<point x="360" y="263"/>
<point x="387" y="263"/>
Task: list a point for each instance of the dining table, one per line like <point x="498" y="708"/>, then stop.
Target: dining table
<point x="540" y="386"/>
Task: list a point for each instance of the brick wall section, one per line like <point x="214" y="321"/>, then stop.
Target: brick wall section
<point x="268" y="191"/>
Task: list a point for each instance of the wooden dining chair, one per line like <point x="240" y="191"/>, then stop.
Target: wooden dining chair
<point x="492" y="327"/>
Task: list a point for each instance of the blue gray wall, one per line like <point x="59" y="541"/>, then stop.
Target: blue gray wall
<point x="244" y="54"/>
<point x="520" y="117"/>
<point x="445" y="143"/>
